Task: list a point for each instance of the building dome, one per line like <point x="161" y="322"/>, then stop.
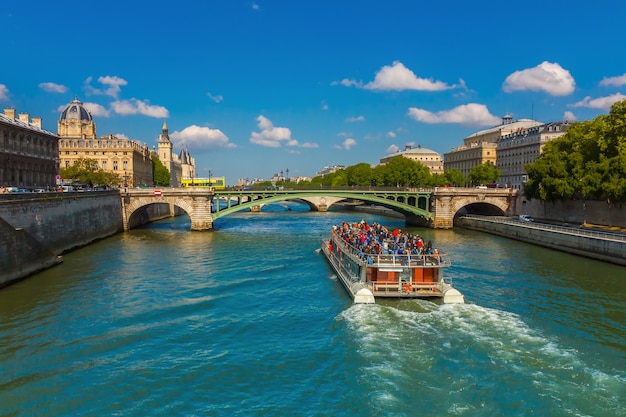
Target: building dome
<point x="76" y="110"/>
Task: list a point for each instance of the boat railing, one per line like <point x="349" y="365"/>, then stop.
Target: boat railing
<point x="438" y="259"/>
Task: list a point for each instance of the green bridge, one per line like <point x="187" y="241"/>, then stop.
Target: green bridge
<point x="433" y="208"/>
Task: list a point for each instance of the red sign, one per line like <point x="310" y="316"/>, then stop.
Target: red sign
<point x="157" y="193"/>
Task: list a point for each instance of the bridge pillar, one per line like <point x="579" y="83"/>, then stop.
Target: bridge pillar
<point x="444" y="213"/>
<point x="201" y="217"/>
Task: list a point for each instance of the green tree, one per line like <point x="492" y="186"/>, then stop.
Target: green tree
<point x="589" y="161"/>
<point x="403" y="172"/>
<point x="161" y="176"/>
<point x="483" y="174"/>
<point x="454" y="177"/>
<point x="359" y="174"/>
<point x="86" y="170"/>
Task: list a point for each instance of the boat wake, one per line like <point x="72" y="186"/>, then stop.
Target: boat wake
<point x="475" y="349"/>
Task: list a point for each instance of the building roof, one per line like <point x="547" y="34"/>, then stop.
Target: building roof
<point x="76" y="110"/>
<point x="18" y="122"/>
<point x="409" y="150"/>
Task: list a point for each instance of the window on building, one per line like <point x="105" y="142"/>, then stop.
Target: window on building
<point x="114" y="165"/>
<point x="125" y="163"/>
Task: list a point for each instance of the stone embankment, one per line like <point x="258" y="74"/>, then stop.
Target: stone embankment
<point x="604" y="246"/>
<point x="36" y="228"/>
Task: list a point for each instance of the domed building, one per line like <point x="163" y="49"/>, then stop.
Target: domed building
<point x="127" y="158"/>
<point x="427" y="157"/>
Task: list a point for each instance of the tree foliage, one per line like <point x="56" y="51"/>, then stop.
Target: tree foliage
<point x="161" y="175"/>
<point x="588" y="161"/>
<point x="86" y="170"/>
<point x="483" y="174"/>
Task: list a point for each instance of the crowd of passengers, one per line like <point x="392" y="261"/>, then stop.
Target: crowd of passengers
<point x="376" y="239"/>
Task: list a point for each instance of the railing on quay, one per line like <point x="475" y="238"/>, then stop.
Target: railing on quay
<point x="617" y="236"/>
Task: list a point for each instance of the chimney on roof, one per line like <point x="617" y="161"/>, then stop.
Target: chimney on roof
<point x="23" y="117"/>
<point x="407" y="147"/>
<point x="37" y="122"/>
<point x="10" y="113"/>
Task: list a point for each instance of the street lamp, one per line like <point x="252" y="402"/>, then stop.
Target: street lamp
<point x="287" y="170"/>
<point x="210" y="179"/>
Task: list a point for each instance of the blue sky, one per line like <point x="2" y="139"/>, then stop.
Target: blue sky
<point x="253" y="88"/>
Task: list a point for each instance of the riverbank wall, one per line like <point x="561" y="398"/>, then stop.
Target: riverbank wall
<point x="36" y="228"/>
<point x="595" y="212"/>
<point x="602" y="246"/>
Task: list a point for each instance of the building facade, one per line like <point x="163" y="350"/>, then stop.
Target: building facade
<point x="127" y="158"/>
<point x="429" y="158"/>
<point x="481" y="146"/>
<point x="29" y="155"/>
<point x="521" y="147"/>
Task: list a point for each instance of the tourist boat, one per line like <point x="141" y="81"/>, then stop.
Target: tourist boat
<point x="370" y="276"/>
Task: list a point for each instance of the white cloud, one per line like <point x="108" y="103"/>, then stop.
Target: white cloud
<point x="96" y="109"/>
<point x="274" y="137"/>
<point x="53" y="87"/>
<point x="201" y="138"/>
<point x="602" y="103"/>
<point x="310" y="145"/>
<point x="548" y="77"/>
<point x="472" y="114"/>
<point x="217" y="99"/>
<point x="112" y="84"/>
<point x="398" y="77"/>
<point x="392" y="149"/>
<point x="134" y="106"/>
<point x="347" y="144"/>
<point x="4" y="92"/>
<point x="256" y="6"/>
<point x="355" y="119"/>
<point x="616" y="81"/>
<point x="391" y="134"/>
<point x="568" y="115"/>
<point x="121" y="136"/>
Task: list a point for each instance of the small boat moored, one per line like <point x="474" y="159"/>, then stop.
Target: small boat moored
<point x="371" y="262"/>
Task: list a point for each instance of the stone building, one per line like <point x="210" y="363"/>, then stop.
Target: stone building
<point x="29" y="155"/>
<point x="521" y="147"/>
<point x="481" y="146"/>
<point x="180" y="166"/>
<point x="127" y="158"/>
<point x="429" y="158"/>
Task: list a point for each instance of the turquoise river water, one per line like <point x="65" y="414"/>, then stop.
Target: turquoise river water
<point x="249" y="320"/>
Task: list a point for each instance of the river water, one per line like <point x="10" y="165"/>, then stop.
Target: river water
<point x="249" y="320"/>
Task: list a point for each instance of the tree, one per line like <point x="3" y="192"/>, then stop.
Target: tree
<point x="588" y="162"/>
<point x="454" y="177"/>
<point x="483" y="174"/>
<point x="161" y="176"/>
<point x="360" y="174"/>
<point x="86" y="170"/>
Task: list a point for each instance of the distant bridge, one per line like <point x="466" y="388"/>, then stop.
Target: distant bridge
<point x="434" y="208"/>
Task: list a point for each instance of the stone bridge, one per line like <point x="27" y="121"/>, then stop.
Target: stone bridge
<point x="434" y="208"/>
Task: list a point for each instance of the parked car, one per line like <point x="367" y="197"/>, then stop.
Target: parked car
<point x="525" y="218"/>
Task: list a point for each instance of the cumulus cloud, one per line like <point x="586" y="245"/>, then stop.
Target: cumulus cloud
<point x="4" y="92"/>
<point x="134" y="106"/>
<point x="111" y="83"/>
<point x="53" y="87"/>
<point x="355" y="119"/>
<point x="273" y="137"/>
<point x="201" y="138"/>
<point x="568" y="115"/>
<point x="391" y="134"/>
<point x="602" y="103"/>
<point x="121" y="136"/>
<point x="398" y="77"/>
<point x="217" y="99"/>
<point x="548" y="77"/>
<point x="618" y="81"/>
<point x="392" y="149"/>
<point x="347" y="144"/>
<point x="96" y="109"/>
<point x="472" y="114"/>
